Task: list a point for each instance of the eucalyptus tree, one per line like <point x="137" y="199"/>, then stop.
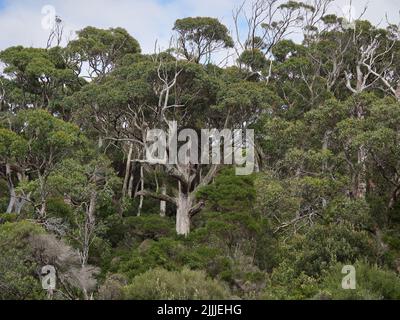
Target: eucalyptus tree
<point x="48" y="141"/>
<point x="160" y="92"/>
<point x="368" y="61"/>
<point x="260" y="25"/>
<point x="101" y="49"/>
<point x="381" y="140"/>
<point x="39" y="78"/>
<point x="84" y="185"/>
<point x="13" y="151"/>
<point x="200" y="37"/>
<point x="233" y="104"/>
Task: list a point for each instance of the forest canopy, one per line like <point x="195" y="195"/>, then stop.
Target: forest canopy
<point x="77" y="193"/>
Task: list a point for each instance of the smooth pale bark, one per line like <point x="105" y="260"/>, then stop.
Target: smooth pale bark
<point x="43" y="198"/>
<point x="186" y="208"/>
<point x="360" y="177"/>
<point x="127" y="171"/>
<point x="130" y="186"/>
<point x="361" y="188"/>
<point x="100" y="142"/>
<point x="361" y="191"/>
<point x="325" y="141"/>
<point x="43" y="209"/>
<point x="325" y="147"/>
<point x="89" y="225"/>
<point x="163" y="204"/>
<point x="11" y="190"/>
<point x="186" y="205"/>
<point x="141" y="189"/>
<point x="183" y="208"/>
<point x="15" y="203"/>
<point x="92" y="208"/>
<point x="395" y="194"/>
<point x="20" y="203"/>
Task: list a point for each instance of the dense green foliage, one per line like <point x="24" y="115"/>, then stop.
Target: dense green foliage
<point x="76" y="193"/>
<point x="160" y="284"/>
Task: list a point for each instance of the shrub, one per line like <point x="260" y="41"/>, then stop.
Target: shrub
<point x="325" y="245"/>
<point x="150" y="227"/>
<point x="134" y="230"/>
<point x="229" y="193"/>
<point x="286" y="283"/>
<point x="8" y="217"/>
<point x="160" y="284"/>
<point x="18" y="271"/>
<point x="372" y="283"/>
<point x="112" y="289"/>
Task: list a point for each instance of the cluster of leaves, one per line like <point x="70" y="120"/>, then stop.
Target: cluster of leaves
<point x="326" y="192"/>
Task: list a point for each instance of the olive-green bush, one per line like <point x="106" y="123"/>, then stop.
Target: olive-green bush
<point x="160" y="284"/>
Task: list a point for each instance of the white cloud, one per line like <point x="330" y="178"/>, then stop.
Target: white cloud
<point x="376" y="12"/>
<point x="146" y="20"/>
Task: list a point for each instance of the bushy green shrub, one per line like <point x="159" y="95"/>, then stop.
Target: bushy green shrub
<point x="3" y="204"/>
<point x="57" y="208"/>
<point x="131" y="231"/>
<point x="304" y="258"/>
<point x="150" y="227"/>
<point x="325" y="245"/>
<point x="18" y="271"/>
<point x="286" y="283"/>
<point x="160" y="284"/>
<point x="230" y="192"/>
<point x="7" y="217"/>
<point x="166" y="253"/>
<point x="372" y="283"/>
<point x="112" y="288"/>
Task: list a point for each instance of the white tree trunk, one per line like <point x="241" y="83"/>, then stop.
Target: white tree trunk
<point x="184" y="205"/>
<point x="130" y="186"/>
<point x="11" y="190"/>
<point x="128" y="171"/>
<point x="325" y="147"/>
<point x="361" y="191"/>
<point x="21" y="201"/>
<point x="163" y="204"/>
<point x="141" y="189"/>
<point x="362" y="174"/>
<point x="88" y="228"/>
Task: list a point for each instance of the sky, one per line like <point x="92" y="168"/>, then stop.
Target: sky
<point x="23" y="22"/>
